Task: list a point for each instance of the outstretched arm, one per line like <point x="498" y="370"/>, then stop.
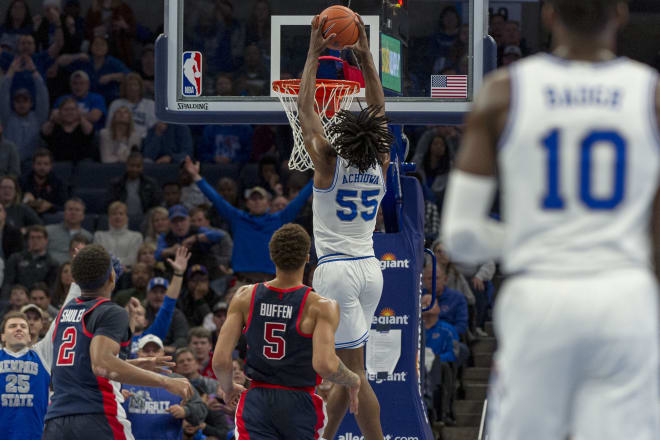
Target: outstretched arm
<point x="312" y="129"/>
<point x="373" y="88"/>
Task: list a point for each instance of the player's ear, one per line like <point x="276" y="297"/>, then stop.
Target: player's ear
<point x="548" y="16"/>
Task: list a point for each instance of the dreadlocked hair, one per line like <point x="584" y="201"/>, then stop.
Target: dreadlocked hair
<point x="361" y="138"/>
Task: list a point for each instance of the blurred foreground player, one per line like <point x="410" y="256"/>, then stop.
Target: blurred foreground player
<point x="574" y="137"/>
<point x="87" y="403"/>
<point x="290" y="333"/>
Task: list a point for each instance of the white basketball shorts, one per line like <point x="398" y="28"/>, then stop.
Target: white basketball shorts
<point x="356" y="285"/>
<point x="578" y="357"/>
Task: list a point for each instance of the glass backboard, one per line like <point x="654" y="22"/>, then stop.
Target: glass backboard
<point x="217" y="59"/>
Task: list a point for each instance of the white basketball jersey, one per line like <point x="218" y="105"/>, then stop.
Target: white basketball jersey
<point x="579" y="165"/>
<point x="345" y="213"/>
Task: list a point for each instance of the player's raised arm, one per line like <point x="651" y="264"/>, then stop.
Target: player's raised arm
<point x="324" y="359"/>
<point x="469" y="234"/>
<point x="373" y="88"/>
<point x="227" y="340"/>
<point x="316" y="144"/>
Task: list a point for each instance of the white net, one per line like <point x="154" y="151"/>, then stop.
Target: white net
<point x="331" y="96"/>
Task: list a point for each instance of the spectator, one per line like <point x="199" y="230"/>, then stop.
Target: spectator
<point x="496" y="26"/>
<point x="40" y="296"/>
<point x="510" y="55"/>
<point x="168" y="143"/>
<point x="171" y="194"/>
<point x="9" y="163"/>
<point x="61" y="233"/>
<point x="434" y="157"/>
<point x="213" y="322"/>
<point x="158" y="222"/>
<point x="119" y="138"/>
<point x="479" y="278"/>
<point x="278" y="204"/>
<point x="252" y="78"/>
<point x="27" y="60"/>
<point x="455" y="279"/>
<point x="228" y="189"/>
<point x="268" y="175"/>
<point x="146" y="70"/>
<point x="143" y="110"/>
<point x="22" y="122"/>
<point x="10" y="236"/>
<point x="431" y="212"/>
<point x="43" y="191"/>
<point x="193" y="432"/>
<point x="105" y="72"/>
<point x="177" y="334"/>
<point x="443" y="40"/>
<point x="92" y="105"/>
<point x="212" y="36"/>
<point x="68" y="134"/>
<point x="119" y="240"/>
<point x="224" y="85"/>
<point x="200" y="342"/>
<point x="32" y="265"/>
<point x="162" y="324"/>
<point x="452" y="305"/>
<point x="70" y="22"/>
<point x="19" y="215"/>
<point x="251" y="258"/>
<point x="155" y="412"/>
<point x="226" y="144"/>
<point x="199" y="296"/>
<point x="191" y="196"/>
<point x="78" y="241"/>
<point x="114" y="18"/>
<point x="258" y="27"/>
<point x="18" y="297"/>
<point x="62" y="284"/>
<point x="140" y="275"/>
<point x="199" y="217"/>
<point x="37" y="322"/>
<point x="139" y="192"/>
<point x="187" y="366"/>
<point x="18" y="21"/>
<point x="182" y="233"/>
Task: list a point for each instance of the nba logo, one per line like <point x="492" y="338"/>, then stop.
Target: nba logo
<point x="192" y="73"/>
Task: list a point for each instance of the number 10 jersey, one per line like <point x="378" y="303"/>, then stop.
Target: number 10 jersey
<point x="579" y="164"/>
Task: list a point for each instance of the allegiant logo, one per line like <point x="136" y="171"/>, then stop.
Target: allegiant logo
<point x="389" y="261"/>
<point x="387" y="316"/>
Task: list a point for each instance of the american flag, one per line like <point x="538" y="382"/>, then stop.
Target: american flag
<point x="448" y="86"/>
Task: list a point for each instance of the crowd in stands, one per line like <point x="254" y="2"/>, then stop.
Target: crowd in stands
<point x="84" y="159"/>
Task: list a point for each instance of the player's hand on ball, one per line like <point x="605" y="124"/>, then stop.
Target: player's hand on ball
<point x="317" y="43"/>
<point x="361" y="46"/>
<point x="179" y="386"/>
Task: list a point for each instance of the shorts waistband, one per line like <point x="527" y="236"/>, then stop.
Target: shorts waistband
<point x="257" y="384"/>
<point x="341" y="257"/>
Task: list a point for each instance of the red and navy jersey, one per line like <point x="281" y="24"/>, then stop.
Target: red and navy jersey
<point x="77" y="390"/>
<point x="279" y="353"/>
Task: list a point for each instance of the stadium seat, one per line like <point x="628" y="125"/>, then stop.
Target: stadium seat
<point x="63" y="171"/>
<point x="212" y="172"/>
<point x="96" y="175"/>
<point x="162" y="172"/>
<point x="249" y="175"/>
<point x="94" y="199"/>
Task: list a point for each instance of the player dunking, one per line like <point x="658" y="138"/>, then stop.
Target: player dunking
<point x="290" y="334"/>
<point x="349" y="184"/>
<point x="574" y="136"/>
<point x="86" y="368"/>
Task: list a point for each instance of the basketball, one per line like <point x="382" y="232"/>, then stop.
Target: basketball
<point x="341" y="21"/>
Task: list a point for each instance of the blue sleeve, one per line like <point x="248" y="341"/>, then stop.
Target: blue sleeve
<point x="97" y="101"/>
<point x="291" y="211"/>
<point x="213" y="235"/>
<point x="223" y="207"/>
<point x="163" y="319"/>
<point x="461" y="314"/>
<point x="151" y="145"/>
<point x="206" y="149"/>
<point x="160" y="246"/>
<point x="184" y="143"/>
<point x="117" y="65"/>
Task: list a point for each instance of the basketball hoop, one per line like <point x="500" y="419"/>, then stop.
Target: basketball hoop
<point x="331" y="96"/>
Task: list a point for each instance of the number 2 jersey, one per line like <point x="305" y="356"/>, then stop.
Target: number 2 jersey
<point x="279" y="353"/>
<point x="77" y="390"/>
<point x="579" y="164"/>
<point x="345" y="213"/>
